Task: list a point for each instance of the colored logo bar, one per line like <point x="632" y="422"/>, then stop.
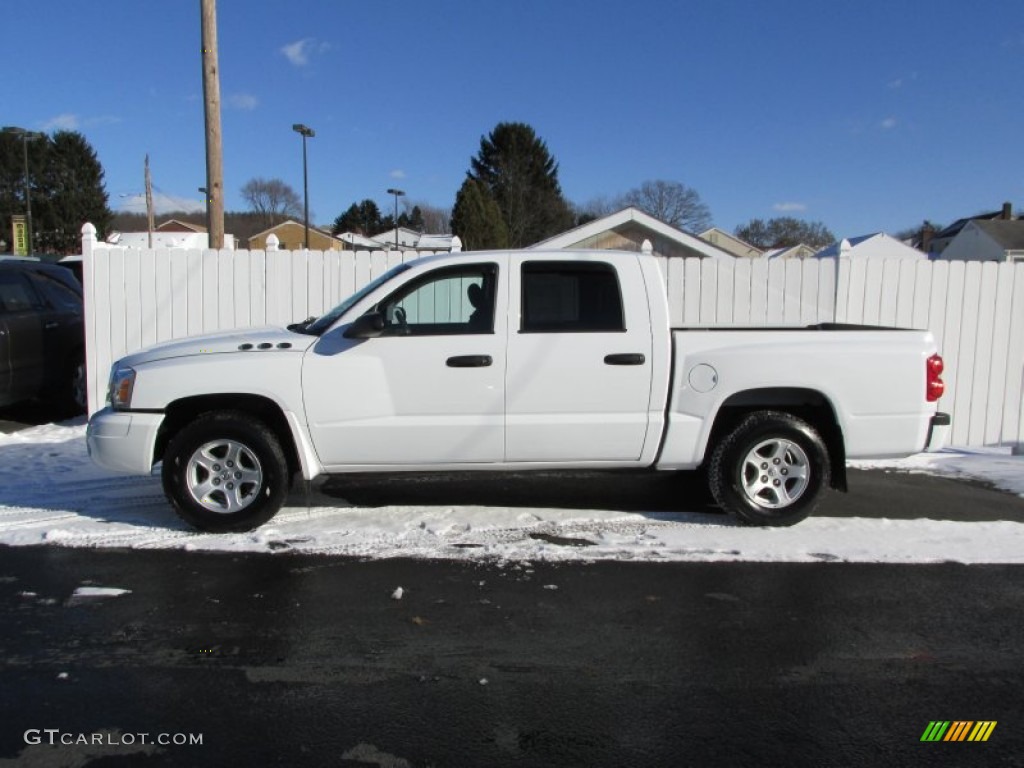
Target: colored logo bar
<point x="958" y="730"/>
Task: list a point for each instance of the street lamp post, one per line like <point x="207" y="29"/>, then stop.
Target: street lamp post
<point x="26" y="137"/>
<point x="306" y="133"/>
<point x="397" y="193"/>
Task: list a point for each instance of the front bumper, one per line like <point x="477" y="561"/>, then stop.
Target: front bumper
<point x="938" y="432"/>
<point x="122" y="440"/>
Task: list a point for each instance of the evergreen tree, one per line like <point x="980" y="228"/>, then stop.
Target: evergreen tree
<point x="65" y="185"/>
<point x="519" y="172"/>
<point x="477" y="219"/>
<point x="362" y="218"/>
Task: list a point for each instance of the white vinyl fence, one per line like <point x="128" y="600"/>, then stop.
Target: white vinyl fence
<point x="135" y="298"/>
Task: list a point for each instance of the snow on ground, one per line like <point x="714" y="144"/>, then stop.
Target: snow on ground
<point x="51" y="493"/>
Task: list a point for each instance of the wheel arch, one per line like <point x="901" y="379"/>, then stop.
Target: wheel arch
<point x="186" y="410"/>
<point x="808" y="404"/>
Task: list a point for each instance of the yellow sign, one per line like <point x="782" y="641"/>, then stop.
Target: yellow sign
<point x="20" y="231"/>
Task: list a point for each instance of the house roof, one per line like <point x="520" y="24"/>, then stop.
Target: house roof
<point x="954" y="229"/>
<point x="388" y="235"/>
<point x="789" y="251"/>
<point x="714" y="235"/>
<point x="636" y="216"/>
<point x="435" y="242"/>
<point x="410" y="238"/>
<point x="356" y="240"/>
<point x="893" y="247"/>
<point x="1008" y="234"/>
<point x="176" y="225"/>
<point x="286" y="223"/>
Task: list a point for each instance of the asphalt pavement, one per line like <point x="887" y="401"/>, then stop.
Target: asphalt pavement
<point x="310" y="660"/>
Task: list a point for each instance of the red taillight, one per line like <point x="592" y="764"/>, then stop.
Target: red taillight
<point x="934" y="386"/>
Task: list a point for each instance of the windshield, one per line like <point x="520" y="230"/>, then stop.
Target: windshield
<point x="322" y="323"/>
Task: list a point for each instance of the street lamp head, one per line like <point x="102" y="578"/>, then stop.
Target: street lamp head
<point x="306" y="131"/>
<point x="22" y="133"/>
<point x="396" y="192"/>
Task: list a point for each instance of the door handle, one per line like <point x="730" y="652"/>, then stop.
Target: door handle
<point x="627" y="358"/>
<point x="469" y="361"/>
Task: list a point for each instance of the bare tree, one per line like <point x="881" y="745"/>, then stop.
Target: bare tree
<point x="784" y="232"/>
<point x="272" y="200"/>
<point x="670" y="202"/>
<point x="436" y="221"/>
<point x="595" y="208"/>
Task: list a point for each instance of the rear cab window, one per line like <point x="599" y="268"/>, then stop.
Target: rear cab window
<point x="571" y="297"/>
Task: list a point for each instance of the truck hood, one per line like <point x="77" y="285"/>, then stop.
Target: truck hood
<point x="248" y="341"/>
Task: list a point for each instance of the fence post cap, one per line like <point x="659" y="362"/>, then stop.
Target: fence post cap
<point x="646" y="247"/>
<point x="273" y="242"/>
<point x="456" y="244"/>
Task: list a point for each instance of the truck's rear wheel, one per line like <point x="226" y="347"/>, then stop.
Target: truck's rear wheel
<point x="225" y="472"/>
<point x="769" y="470"/>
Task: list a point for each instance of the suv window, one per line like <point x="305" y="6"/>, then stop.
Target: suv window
<point x="571" y="297"/>
<point x="16" y="295"/>
<point x="58" y="293"/>
<point x="450" y="300"/>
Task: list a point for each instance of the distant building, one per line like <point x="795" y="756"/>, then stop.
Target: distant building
<point x="291" y="236"/>
<point x="985" y="240"/>
<point x="876" y="246"/>
<point x="627" y="229"/>
<point x="738" y="247"/>
<point x="170" y="234"/>
<point x="800" y="251"/>
<point x="941" y="239"/>
<point x="411" y="240"/>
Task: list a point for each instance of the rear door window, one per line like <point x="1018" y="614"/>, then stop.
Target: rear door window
<point x="571" y="297"/>
<point x="16" y="295"/>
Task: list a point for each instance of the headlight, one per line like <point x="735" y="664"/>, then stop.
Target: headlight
<point x="119" y="392"/>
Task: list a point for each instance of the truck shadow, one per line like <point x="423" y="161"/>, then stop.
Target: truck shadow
<point x="655" y="493"/>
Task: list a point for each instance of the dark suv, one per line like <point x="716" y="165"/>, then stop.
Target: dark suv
<point x="42" y="335"/>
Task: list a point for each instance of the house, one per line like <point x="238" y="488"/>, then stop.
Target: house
<point x="291" y="236"/>
<point x="411" y="240"/>
<point x="355" y="242"/>
<point x="799" y="251"/>
<point x="406" y="238"/>
<point x="169" y="234"/>
<point x="627" y="229"/>
<point x="734" y="245"/>
<point x="876" y="246"/>
<point x="987" y="240"/>
<point x="941" y="239"/>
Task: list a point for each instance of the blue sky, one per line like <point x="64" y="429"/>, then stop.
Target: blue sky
<point x="864" y="115"/>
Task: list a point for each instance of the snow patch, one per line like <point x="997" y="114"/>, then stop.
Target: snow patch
<point x="52" y="494"/>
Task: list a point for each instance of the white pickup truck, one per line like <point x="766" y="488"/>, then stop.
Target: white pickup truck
<point x="517" y="360"/>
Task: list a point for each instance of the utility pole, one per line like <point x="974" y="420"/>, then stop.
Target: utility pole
<point x="149" y="204"/>
<point x="211" y="109"/>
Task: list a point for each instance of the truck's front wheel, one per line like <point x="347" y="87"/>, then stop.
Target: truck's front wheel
<point x="225" y="472"/>
<point x="769" y="470"/>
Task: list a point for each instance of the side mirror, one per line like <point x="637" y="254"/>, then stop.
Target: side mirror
<point x="367" y="326"/>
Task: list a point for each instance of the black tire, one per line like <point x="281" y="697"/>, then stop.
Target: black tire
<point x="770" y="470"/>
<point x="69" y="394"/>
<point x="226" y="471"/>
